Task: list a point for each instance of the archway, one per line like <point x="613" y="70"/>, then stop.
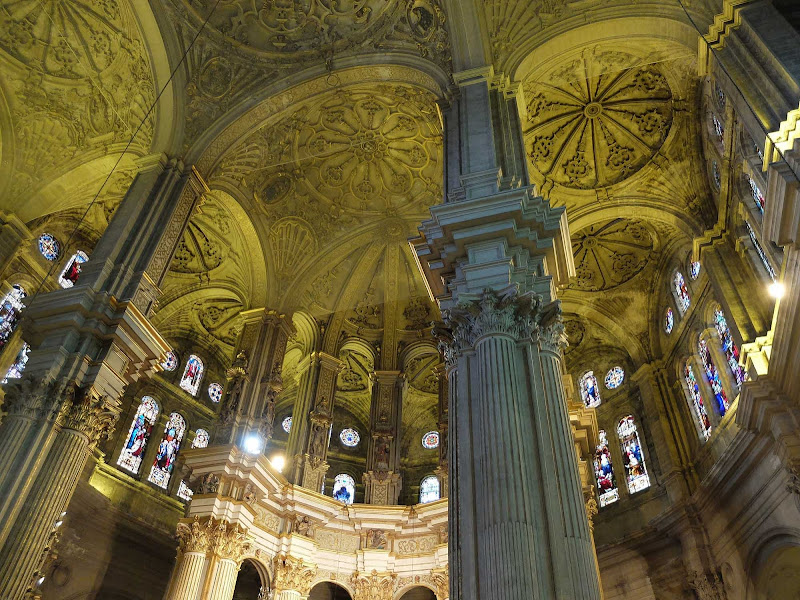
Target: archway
<point x="779" y="578"/>
<point x="418" y="593"/>
<point x="249" y="585"/>
<point x="329" y="591"/>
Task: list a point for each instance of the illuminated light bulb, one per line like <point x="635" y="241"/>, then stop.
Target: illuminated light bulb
<point x="253" y="444"/>
<point x="59" y="523"/>
<point x="278" y="462"/>
<point x="777" y="290"/>
<point x="40" y="581"/>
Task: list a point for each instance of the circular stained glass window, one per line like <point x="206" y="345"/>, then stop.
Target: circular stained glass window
<point x="49" y="247"/>
<point x="615" y="377"/>
<point x="170" y="361"/>
<point x="669" y="321"/>
<point x="694" y="269"/>
<point x="287" y="424"/>
<point x="350" y="437"/>
<point x="215" y="392"/>
<point x="430" y="440"/>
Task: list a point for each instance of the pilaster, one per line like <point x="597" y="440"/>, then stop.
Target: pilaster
<point x="382" y="479"/>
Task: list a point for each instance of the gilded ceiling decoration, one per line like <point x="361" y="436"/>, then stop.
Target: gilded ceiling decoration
<point x="611" y="253"/>
<point x="420" y="375"/>
<point x="597" y="120"/>
<point x="80" y="79"/>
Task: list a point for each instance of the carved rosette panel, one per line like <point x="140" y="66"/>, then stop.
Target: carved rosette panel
<point x="597" y="120"/>
<point x="611" y="253"/>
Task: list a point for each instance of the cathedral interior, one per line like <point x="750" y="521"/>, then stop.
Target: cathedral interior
<point x="400" y="299"/>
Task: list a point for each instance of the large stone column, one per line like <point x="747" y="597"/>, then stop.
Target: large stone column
<point x="493" y="255"/>
<point x="382" y="479"/>
<point x="443" y="470"/>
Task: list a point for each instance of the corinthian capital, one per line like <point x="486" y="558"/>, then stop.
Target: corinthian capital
<point x="89" y="413"/>
<point x="218" y="537"/>
<point x="292" y="574"/>
<point x="373" y="587"/>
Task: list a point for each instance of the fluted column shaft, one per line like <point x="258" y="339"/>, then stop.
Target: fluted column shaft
<point x="288" y="595"/>
<point x="188" y="576"/>
<point x="223" y="582"/>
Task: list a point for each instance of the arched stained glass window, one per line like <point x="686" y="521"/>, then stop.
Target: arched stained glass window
<point x="167" y="451"/>
<point x="694" y="269"/>
<point x="200" y="439"/>
<point x="132" y="453"/>
<point x="604" y="472"/>
<point x="719" y="130"/>
<point x="429" y="489"/>
<point x="349" y="437"/>
<point x="720" y="95"/>
<point x="758" y="196"/>
<point x="729" y="347"/>
<point x="49" y="247"/>
<point x="69" y="276"/>
<point x="696" y="396"/>
<point x="681" y="292"/>
<point x="287" y="424"/>
<point x="430" y="440"/>
<point x="185" y="492"/>
<point x="615" y="377"/>
<point x="215" y="392"/>
<point x="170" y="361"/>
<point x="717" y="176"/>
<point x="669" y="320"/>
<point x="192" y="375"/>
<point x="10" y="311"/>
<point x="632" y="456"/>
<point x="15" y="371"/>
<point x="760" y="251"/>
<point x="344" y="488"/>
<point x="590" y="391"/>
<point x="713" y="377"/>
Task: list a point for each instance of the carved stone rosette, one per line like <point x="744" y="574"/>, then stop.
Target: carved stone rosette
<point x="229" y="542"/>
<point x="376" y="586"/>
<point x="292" y="574"/>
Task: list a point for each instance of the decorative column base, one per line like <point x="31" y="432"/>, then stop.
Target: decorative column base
<point x="382" y="487"/>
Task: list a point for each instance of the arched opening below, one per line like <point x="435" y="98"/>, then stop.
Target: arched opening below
<point x="329" y="591"/>
<point x="249" y="585"/>
<point x="779" y="579"/>
<point x="418" y="593"/>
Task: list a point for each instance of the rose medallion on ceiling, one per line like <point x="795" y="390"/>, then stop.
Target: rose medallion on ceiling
<point x="597" y="120"/>
<point x="611" y="253"/>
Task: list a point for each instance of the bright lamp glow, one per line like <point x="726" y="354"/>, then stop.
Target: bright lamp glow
<point x="278" y="462"/>
<point x="253" y="444"/>
<point x="777" y="290"/>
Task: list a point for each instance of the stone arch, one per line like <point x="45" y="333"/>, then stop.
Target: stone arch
<point x="417" y="591"/>
<point x="253" y="578"/>
<point x="772" y="567"/>
<point x="330" y="590"/>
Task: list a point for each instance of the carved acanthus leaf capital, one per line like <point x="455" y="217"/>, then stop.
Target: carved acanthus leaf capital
<point x="441" y="579"/>
<point x="292" y="574"/>
<point x="90" y="413"/>
<point x="28" y="398"/>
<point x="376" y="586"/>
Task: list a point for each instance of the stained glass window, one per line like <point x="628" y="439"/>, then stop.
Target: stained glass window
<point x="132" y="453"/>
<point x="344" y="488"/>
<point x="716" y="174"/>
<point x="615" y="377"/>
<point x="170" y="361"/>
<point x="15" y="371"/>
<point x="681" y="292"/>
<point x="200" y="439"/>
<point x="694" y="269"/>
<point x="758" y="196"/>
<point x="10" y="311"/>
<point x="185" y="492"/>
<point x="49" y="247"/>
<point x="604" y="472"/>
<point x="719" y="130"/>
<point x="669" y="320"/>
<point x="192" y="375"/>
<point x="429" y="489"/>
<point x="729" y="347"/>
<point x="720" y="96"/>
<point x="713" y="377"/>
<point x="287" y="424"/>
<point x="215" y="392"/>
<point x="590" y="392"/>
<point x="759" y="151"/>
<point x="696" y="397"/>
<point x="632" y="456"/>
<point x="761" y="254"/>
<point x="69" y="276"/>
<point x="349" y="437"/>
<point x="167" y="451"/>
<point x="430" y="440"/>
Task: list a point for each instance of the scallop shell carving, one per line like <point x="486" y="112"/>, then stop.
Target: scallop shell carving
<point x="292" y="242"/>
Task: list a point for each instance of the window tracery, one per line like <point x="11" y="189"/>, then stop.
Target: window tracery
<point x="590" y="391"/>
<point x="161" y="470"/>
<point x="681" y="292"/>
<point x="287" y="424"/>
<point x="192" y="375"/>
<point x="716" y="175"/>
<point x="132" y="453"/>
<point x="669" y="320"/>
<point x="430" y="440"/>
<point x="729" y="347"/>
<point x="429" y="489"/>
<point x="15" y="370"/>
<point x="69" y="276"/>
<point x="712" y="375"/>
<point x="719" y="129"/>
<point x="614" y="377"/>
<point x="344" y="488"/>
<point x="10" y="311"/>
<point x="349" y="437"/>
<point x="632" y="455"/>
<point x="49" y="247"/>
<point x="604" y="473"/>
<point x="696" y="397"/>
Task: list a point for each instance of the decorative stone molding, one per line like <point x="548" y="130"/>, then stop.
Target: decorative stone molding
<point x="441" y="579"/>
<point x="591" y="511"/>
<point x="292" y="574"/>
<point x="374" y="586"/>
<point x="215" y="537"/>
